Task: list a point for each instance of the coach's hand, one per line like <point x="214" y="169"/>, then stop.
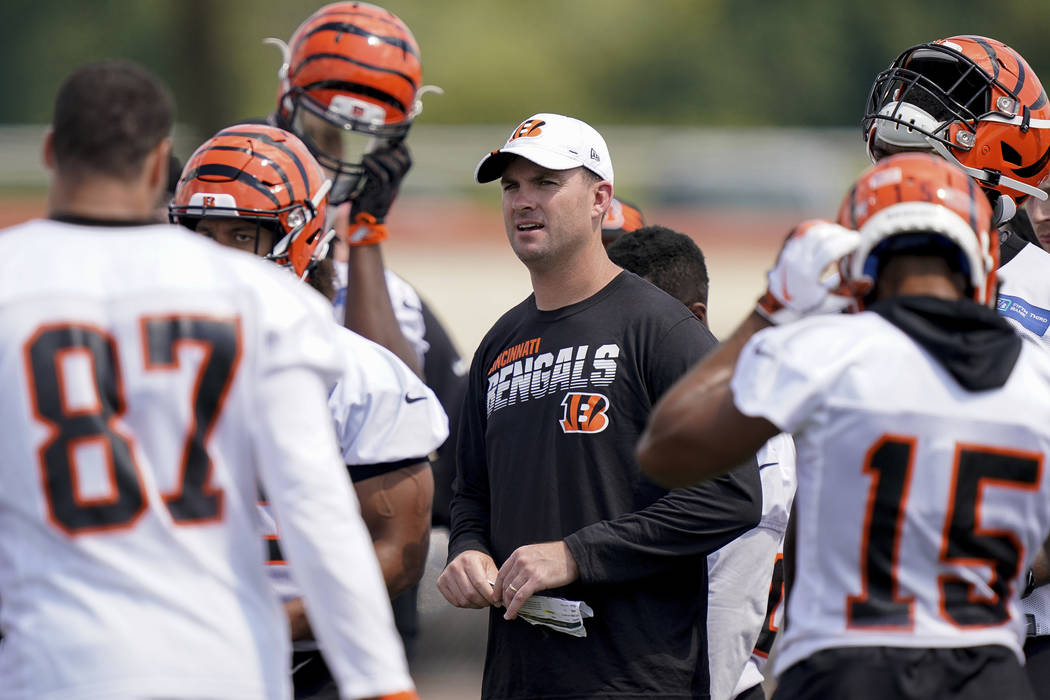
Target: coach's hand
<point x="532" y="568"/>
<point x="465" y="581"/>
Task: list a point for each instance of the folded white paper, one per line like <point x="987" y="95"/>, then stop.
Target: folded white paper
<point x="557" y="613"/>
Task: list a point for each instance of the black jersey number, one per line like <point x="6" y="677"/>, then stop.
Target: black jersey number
<point x="768" y="634"/>
<point x="97" y="422"/>
<point x="889" y="462"/>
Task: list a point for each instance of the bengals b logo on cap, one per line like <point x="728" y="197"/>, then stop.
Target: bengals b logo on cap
<point x="584" y="413"/>
<point x="529" y="127"/>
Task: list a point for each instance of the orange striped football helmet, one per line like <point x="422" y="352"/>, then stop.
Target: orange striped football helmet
<point x="351" y="82"/>
<point x="974" y="101"/>
<point x="266" y="175"/>
<point x="620" y="219"/>
<point x="919" y="202"/>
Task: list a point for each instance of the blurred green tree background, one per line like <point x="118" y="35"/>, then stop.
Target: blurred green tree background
<point x="731" y="63"/>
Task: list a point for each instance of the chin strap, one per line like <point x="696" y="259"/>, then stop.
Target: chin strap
<point x="984" y="176"/>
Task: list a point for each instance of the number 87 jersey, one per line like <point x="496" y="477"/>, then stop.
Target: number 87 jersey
<point x="152" y="380"/>
<point x="922" y="497"/>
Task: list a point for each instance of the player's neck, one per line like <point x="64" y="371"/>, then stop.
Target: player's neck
<point x="572" y="281"/>
<point x="931" y="285"/>
<point x="920" y="276"/>
<point x="103" y="199"/>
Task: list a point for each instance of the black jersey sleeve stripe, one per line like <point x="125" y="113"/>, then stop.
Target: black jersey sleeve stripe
<point x="274" y="554"/>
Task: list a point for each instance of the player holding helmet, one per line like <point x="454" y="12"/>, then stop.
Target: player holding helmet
<point x="257" y="188"/>
<point x="918" y="505"/>
<point x="977" y="103"/>
<point x="350" y="86"/>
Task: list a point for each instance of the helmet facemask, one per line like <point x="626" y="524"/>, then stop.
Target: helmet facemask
<point x="974" y="102"/>
<point x="920" y="96"/>
<point x="341" y="135"/>
<point x="295" y="219"/>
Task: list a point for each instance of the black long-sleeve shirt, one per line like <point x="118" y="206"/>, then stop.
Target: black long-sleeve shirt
<point x="555" y="404"/>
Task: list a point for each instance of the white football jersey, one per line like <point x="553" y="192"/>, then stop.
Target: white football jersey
<point x="383" y="413"/>
<point x="919" y="504"/>
<point x="739" y="573"/>
<point x="1024" y="296"/>
<point x="1024" y="299"/>
<point x="152" y="379"/>
<point x="408" y="308"/>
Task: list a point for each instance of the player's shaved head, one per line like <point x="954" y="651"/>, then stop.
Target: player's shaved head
<point x="108" y="117"/>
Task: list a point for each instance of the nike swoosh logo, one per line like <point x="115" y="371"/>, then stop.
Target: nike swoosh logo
<point x="413" y="399"/>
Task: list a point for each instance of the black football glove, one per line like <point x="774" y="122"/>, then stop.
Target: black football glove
<point x="384" y="170"/>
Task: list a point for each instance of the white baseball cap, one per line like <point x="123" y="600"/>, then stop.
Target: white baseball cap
<point x="550" y="141"/>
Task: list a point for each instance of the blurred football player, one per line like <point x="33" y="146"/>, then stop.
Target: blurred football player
<point x="153" y="381"/>
<point x="1038" y="211"/>
<point x="351" y="86"/>
<point x="920" y="502"/>
<point x="257" y="188"/>
<point x="977" y="103"/>
<point x="620" y="219"/>
<point x="745" y="577"/>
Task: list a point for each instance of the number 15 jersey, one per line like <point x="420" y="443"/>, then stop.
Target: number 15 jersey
<point x="920" y="503"/>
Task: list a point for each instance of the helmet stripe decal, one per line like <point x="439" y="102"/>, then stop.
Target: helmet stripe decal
<point x="340" y="57"/>
<point x="1020" y="78"/>
<point x="358" y="88"/>
<point x="1033" y="169"/>
<point x="232" y="173"/>
<point x="383" y="16"/>
<point x="992" y="58"/>
<point x="348" y="28"/>
<point x="288" y="186"/>
<point x="282" y="147"/>
<point x="1039" y="102"/>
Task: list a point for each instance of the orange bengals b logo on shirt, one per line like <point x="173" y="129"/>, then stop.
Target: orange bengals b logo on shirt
<point x="584" y="413"/>
<point x="529" y="127"/>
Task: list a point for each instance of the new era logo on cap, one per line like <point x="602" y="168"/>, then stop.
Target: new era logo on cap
<point x="552" y="141"/>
